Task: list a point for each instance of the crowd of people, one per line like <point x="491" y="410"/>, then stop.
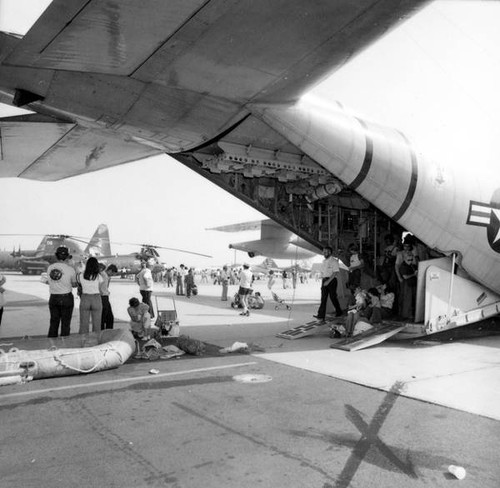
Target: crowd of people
<point x="394" y="295"/>
<point x="393" y="286"/>
<point x="175" y="277"/>
<point x="92" y="285"/>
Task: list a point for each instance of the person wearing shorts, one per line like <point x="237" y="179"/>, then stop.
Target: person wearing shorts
<point x="245" y="289"/>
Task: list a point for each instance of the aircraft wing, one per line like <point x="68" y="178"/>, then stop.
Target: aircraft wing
<point x="58" y="149"/>
<point x="173" y="75"/>
<point x="239" y="227"/>
<point x="219" y="47"/>
<point x="268" y="229"/>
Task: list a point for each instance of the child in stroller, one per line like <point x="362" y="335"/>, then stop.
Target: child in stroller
<point x="280" y="302"/>
<point x="255" y="301"/>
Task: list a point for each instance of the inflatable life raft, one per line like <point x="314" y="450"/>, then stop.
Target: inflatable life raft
<point x="27" y="359"/>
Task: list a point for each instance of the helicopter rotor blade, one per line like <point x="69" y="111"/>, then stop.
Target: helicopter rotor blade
<point x="86" y="240"/>
<point x="78" y="239"/>
<point x="22" y="235"/>
<point x="184" y="251"/>
<point x="151" y="246"/>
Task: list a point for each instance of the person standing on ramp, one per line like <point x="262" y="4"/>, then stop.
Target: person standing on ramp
<point x="330" y="271"/>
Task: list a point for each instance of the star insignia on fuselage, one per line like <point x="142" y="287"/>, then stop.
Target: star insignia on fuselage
<point x="486" y="215"/>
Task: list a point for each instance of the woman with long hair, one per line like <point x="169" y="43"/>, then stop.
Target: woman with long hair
<point x="90" y="300"/>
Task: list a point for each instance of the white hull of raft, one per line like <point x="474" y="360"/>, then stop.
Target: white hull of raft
<point x="35" y="358"/>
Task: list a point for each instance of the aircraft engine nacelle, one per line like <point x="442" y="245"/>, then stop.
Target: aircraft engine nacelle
<point x="249" y="247"/>
<point x="454" y="208"/>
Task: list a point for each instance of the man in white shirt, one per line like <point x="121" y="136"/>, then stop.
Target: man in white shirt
<point x="61" y="278"/>
<point x="181" y="274"/>
<point x="329" y="272"/>
<point x="145" y="281"/>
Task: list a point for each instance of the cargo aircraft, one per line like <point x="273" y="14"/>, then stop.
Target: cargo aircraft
<point x="10" y="260"/>
<point x="219" y="86"/>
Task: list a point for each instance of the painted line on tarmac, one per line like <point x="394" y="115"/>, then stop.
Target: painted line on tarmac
<point x="124" y="380"/>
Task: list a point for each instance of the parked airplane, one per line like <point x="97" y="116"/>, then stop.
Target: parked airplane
<point x="303" y="266"/>
<point x="227" y="102"/>
<point x="9" y="260"/>
<point x="263" y="268"/>
<point x="275" y="241"/>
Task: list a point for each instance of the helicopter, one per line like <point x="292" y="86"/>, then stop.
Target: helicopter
<point x="131" y="264"/>
<point x="99" y="246"/>
<point x="37" y="261"/>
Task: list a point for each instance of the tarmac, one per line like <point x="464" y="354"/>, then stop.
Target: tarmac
<point x="449" y="391"/>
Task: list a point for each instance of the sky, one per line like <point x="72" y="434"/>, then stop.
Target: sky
<point x="436" y="77"/>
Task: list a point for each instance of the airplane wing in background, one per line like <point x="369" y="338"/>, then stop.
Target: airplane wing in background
<point x="239" y="227"/>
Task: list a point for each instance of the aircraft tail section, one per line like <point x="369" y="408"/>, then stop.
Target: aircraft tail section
<point x="269" y="263"/>
<point x="99" y="245"/>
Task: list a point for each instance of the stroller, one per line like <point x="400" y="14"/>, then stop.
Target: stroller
<point x="280" y="302"/>
<point x="167" y="320"/>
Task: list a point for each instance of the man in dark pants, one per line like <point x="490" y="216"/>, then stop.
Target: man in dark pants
<point x="2" y="296"/>
<point x="329" y="271"/>
<point x="145" y="281"/>
<point x="61" y="278"/>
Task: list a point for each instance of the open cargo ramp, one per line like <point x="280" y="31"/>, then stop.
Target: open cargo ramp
<point x="370" y="337"/>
